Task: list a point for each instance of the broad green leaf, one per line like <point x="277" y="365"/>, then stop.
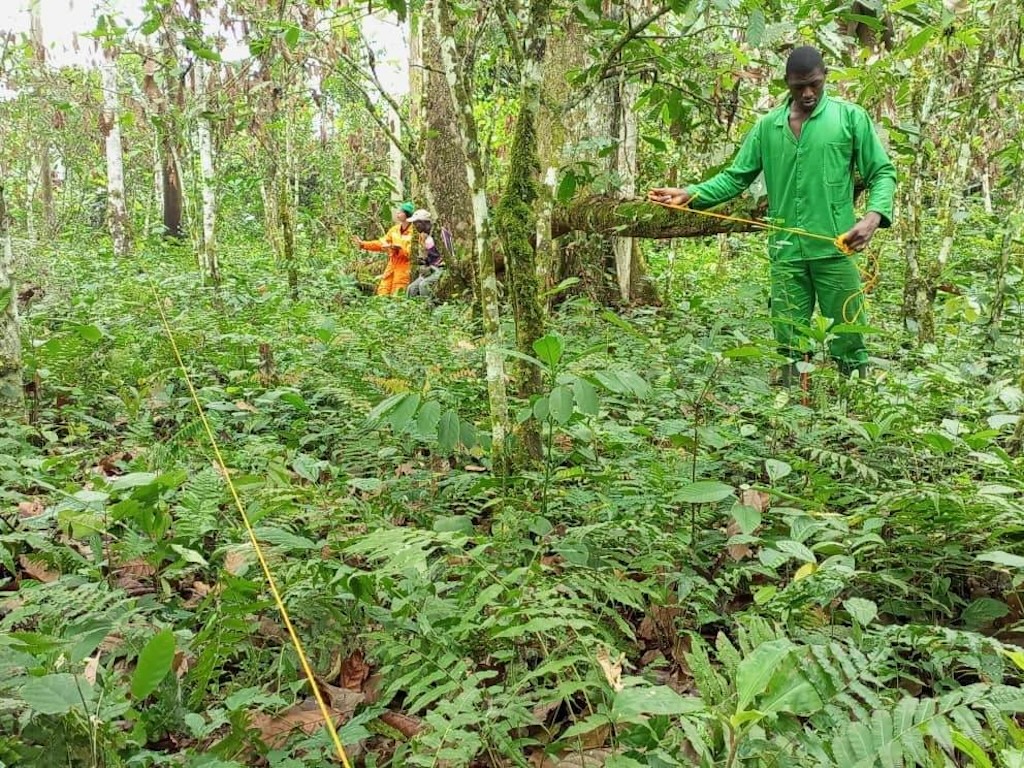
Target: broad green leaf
<point x="90" y="333"/>
<point x="291" y="36"/>
<point x="457" y="524"/>
<point x="307" y="468"/>
<point x="566" y="187"/>
<point x="970" y="748"/>
<point x="796" y="549"/>
<point x="154" y="663"/>
<point x="383" y="407"/>
<point x="586" y="397"/>
<point x="756" y="670"/>
<point x="777" y="470"/>
<point x="635" y="384"/>
<point x="56" y="694"/>
<point x="998" y="557"/>
<point x="467" y="435"/>
<point x="448" y="432"/>
<point x="189" y="555"/>
<point x="133" y="480"/>
<point x="704" y="492"/>
<point x="549" y="349"/>
<point x="428" y="419"/>
<point x="652" y="700"/>
<point x="747" y="518"/>
<point x="285" y="539"/>
<point x="864" y="611"/>
<point x="560" y="403"/>
<point x="403" y="412"/>
<point x="983" y="611"/>
<point x="5" y="298"/>
<point x="790" y="691"/>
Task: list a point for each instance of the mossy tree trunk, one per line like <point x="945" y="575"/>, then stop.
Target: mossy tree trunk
<point x="516" y="222"/>
<point x="460" y="92"/>
<point x="11" y="395"/>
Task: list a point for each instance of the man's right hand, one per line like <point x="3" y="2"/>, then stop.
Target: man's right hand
<point x="669" y="196"/>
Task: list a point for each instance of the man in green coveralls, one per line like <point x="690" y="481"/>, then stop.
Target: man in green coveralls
<point x="808" y="149"/>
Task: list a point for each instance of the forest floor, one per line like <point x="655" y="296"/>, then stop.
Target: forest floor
<point x="704" y="570"/>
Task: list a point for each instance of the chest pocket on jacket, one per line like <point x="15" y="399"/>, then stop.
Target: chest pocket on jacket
<point x="838" y="162"/>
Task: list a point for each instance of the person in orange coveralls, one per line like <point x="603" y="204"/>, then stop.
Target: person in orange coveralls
<point x="397" y="244"/>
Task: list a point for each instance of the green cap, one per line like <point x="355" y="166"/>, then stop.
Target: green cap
<point x="407" y="208"/>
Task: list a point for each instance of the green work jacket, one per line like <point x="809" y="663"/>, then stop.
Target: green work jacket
<point x="810" y="179"/>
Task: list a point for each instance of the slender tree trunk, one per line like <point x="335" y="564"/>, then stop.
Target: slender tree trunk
<point x="625" y="165"/>
<point x="211" y="269"/>
<point x="395" y="157"/>
<point x="416" y="95"/>
<point x="11" y="394"/>
<point x="488" y="282"/>
<point x="516" y="223"/>
<point x="172" y="193"/>
<point x="117" y="213"/>
<point x="916" y="303"/>
<point x="44" y="165"/>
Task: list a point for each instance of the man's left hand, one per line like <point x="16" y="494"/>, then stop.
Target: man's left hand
<point x="857" y="239"/>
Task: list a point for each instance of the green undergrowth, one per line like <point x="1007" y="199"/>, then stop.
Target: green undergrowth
<point x="705" y="569"/>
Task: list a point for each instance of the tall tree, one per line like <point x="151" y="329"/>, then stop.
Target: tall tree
<point x="44" y="165"/>
<point x="110" y="128"/>
<point x="460" y="91"/>
<point x="10" y="336"/>
<point x="208" y="176"/>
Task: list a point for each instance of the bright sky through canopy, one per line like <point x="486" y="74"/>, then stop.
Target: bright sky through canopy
<point x="63" y="20"/>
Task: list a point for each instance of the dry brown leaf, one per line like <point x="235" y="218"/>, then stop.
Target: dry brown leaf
<point x="354" y="671"/>
<point x="737" y="551"/>
<point x="236" y="561"/>
<point x="92" y="666"/>
<point x="306" y="716"/>
<point x="758" y="500"/>
<point x="404" y="470"/>
<point x="32" y="508"/>
<point x="475" y="468"/>
<point x="244" y="406"/>
<point x="181" y="664"/>
<point x="612" y="668"/>
<point x="109" y="465"/>
<point x="586" y="757"/>
<point x="111" y="643"/>
<point x="37" y="570"/>
<point x="464" y="345"/>
<point x="407" y="725"/>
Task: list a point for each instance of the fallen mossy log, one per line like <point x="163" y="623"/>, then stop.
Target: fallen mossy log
<point x="639" y="218"/>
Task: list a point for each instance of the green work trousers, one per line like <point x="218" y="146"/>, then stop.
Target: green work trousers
<point x="835" y="284"/>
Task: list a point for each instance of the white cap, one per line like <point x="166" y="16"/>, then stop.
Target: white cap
<point x="420" y="215"/>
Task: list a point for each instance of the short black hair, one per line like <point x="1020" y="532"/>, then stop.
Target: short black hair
<point x="804" y="60"/>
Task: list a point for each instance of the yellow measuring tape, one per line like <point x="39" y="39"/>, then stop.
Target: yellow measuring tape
<point x="870" y="279"/>
<point x="296" y="643"/>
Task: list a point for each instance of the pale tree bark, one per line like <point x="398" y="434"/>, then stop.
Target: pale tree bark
<point x="462" y="103"/>
<point x="43" y="165"/>
<point x="395" y="157"/>
<point x="117" y="213"/>
<point x="11" y="393"/>
<point x="625" y="164"/>
<point x="210" y="266"/>
<point x="916" y="301"/>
